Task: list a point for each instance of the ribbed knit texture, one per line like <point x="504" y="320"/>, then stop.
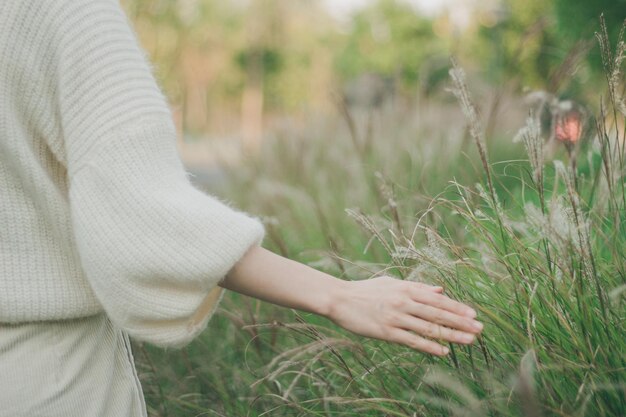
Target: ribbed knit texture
<point x="83" y="367"/>
<point x="97" y="212"/>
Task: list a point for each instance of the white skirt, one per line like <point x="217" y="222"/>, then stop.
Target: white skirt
<point x="72" y="368"/>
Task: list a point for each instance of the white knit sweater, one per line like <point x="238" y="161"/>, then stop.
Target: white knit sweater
<point x="97" y="212"/>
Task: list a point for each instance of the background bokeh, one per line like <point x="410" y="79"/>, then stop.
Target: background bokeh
<point x="339" y="124"/>
<point x="236" y="69"/>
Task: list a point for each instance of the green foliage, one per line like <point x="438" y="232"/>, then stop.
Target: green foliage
<point x="536" y="241"/>
<point x="538" y="248"/>
<point x="201" y="48"/>
<point x="268" y="58"/>
<point x="520" y="44"/>
<point x="534" y="43"/>
<point x="578" y="19"/>
<point x="388" y="38"/>
<point x="544" y="269"/>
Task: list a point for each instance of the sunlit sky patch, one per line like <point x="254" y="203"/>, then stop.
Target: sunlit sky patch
<point x="458" y="10"/>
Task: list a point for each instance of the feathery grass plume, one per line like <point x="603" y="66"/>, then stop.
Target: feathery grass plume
<point x="529" y="301"/>
<point x="576" y="229"/>
<point x="368" y="225"/>
<point x="298" y="355"/>
<point x="461" y="401"/>
<point x="600" y="197"/>
<point x="580" y="223"/>
<point x="613" y="157"/>
<point x="387" y="192"/>
<point x="492" y="202"/>
<point x="612" y="145"/>
<point x="432" y="255"/>
<point x="530" y="136"/>
<point x="545" y="104"/>
<point x="584" y="235"/>
<point x="558" y="227"/>
<point x="526" y="385"/>
<point x="617" y="295"/>
<point x="612" y="63"/>
<point x="608" y="160"/>
<point x="470" y="111"/>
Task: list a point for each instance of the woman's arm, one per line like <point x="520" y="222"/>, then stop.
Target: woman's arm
<point x="383" y="307"/>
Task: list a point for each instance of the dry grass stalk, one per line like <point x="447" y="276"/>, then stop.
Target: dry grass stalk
<point x="470" y="111"/>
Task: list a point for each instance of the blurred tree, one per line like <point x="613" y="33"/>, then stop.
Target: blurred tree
<point x="391" y="39"/>
<point x="259" y="59"/>
<point x="516" y="42"/>
<point x="579" y="19"/>
<point x="239" y="65"/>
<point x="227" y="63"/>
<point x="546" y="44"/>
<point x="191" y="44"/>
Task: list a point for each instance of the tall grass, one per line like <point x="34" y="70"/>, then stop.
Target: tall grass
<point x="536" y="243"/>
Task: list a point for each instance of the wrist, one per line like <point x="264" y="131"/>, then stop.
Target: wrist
<point x="337" y="293"/>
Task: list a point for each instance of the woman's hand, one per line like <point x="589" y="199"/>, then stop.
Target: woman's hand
<point x="383" y="308"/>
<point x="404" y="312"/>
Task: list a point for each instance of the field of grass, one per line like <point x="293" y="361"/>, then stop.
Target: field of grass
<point x="532" y="234"/>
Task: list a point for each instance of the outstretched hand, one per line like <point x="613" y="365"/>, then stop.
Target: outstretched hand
<point x="384" y="308"/>
<point x="405" y="312"/>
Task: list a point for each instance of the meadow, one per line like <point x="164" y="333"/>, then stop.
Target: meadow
<point x="526" y="222"/>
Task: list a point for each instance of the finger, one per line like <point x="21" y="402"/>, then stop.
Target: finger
<point x="434" y="331"/>
<point x="443" y="302"/>
<point x="444" y="317"/>
<point x="413" y="341"/>
<point x="433" y="288"/>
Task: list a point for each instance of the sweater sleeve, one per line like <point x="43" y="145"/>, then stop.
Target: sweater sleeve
<point x="153" y="247"/>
